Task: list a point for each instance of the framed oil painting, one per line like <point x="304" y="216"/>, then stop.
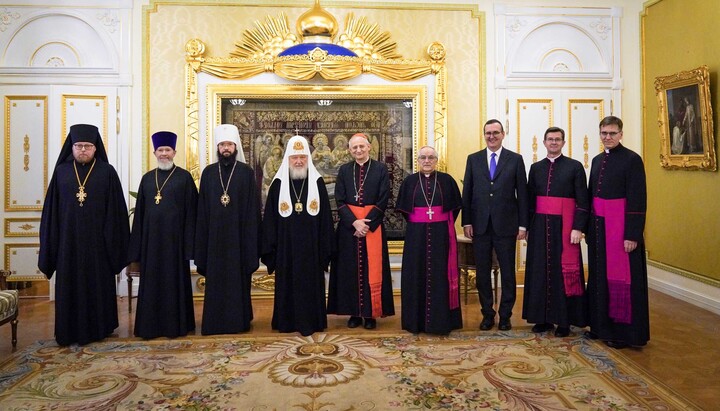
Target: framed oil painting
<point x="685" y="120"/>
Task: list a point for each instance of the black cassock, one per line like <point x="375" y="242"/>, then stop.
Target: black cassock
<point x="162" y="239"/>
<point x="425" y="286"/>
<point x="298" y="249"/>
<point x="616" y="175"/>
<point x="544" y="297"/>
<point x="349" y="289"/>
<point x="226" y="247"/>
<point x="87" y="247"/>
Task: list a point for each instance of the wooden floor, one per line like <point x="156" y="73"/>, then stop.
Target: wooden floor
<point x="684" y="350"/>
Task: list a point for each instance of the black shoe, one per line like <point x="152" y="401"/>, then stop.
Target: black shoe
<point x="370" y="324"/>
<point x="591" y="335"/>
<point x="487" y="323"/>
<point x="618" y="345"/>
<point x="562" y="331"/>
<point x="542" y="327"/>
<point x="504" y="324"/>
<point x="354" y="322"/>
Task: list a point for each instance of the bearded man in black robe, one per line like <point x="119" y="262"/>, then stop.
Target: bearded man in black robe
<point x="84" y="234"/>
<point x="617" y="280"/>
<point x="559" y="209"/>
<point x="430" y="201"/>
<point x="297" y="241"/>
<point x="360" y="278"/>
<point x="226" y="236"/>
<point x="162" y="241"/>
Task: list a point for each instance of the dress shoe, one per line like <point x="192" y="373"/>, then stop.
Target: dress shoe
<point x="370" y="324"/>
<point x="562" y="331"/>
<point x="542" y="327"/>
<point x="487" y="323"/>
<point x="354" y="322"/>
<point x="504" y="325"/>
<point x="618" y="345"/>
<point x="591" y="335"/>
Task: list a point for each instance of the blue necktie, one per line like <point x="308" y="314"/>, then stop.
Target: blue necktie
<point x="493" y="165"/>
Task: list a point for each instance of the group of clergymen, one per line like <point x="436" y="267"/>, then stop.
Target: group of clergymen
<point x="85" y="238"/>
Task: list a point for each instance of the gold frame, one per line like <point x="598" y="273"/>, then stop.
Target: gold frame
<point x="8" y="100"/>
<point x="233" y="68"/>
<point x="27" y="220"/>
<point x="417" y="93"/>
<point x="672" y="88"/>
<point x="8" y="249"/>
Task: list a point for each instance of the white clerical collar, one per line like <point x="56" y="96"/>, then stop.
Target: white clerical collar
<point x="363" y="163"/>
<point x="552" y="159"/>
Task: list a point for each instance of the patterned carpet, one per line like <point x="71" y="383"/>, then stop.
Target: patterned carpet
<point x="499" y="371"/>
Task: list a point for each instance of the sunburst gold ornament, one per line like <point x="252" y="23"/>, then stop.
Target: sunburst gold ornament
<point x="267" y="40"/>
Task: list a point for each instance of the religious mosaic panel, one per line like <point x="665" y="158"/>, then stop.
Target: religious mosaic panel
<point x="265" y="126"/>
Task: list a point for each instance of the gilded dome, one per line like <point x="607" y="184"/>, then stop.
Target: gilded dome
<point x="317" y="22"/>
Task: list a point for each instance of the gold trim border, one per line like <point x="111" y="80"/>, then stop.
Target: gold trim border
<point x="8" y="100"/>
<point x="65" y="97"/>
<point x="216" y="92"/>
<point x="684" y="273"/>
<point x="547" y="101"/>
<point x="8" y="247"/>
<point x="9" y="221"/>
<point x="597" y="101"/>
<point x="706" y="160"/>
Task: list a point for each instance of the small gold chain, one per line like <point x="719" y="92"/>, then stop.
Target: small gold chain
<point x="225" y="198"/>
<point x="81" y="194"/>
<point x="158" y="196"/>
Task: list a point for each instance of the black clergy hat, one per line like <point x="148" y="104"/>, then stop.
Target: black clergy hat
<point x="164" y="139"/>
<point x="82" y="133"/>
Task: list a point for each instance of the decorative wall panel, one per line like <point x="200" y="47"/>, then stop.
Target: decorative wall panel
<point x="85" y="109"/>
<point x="22" y="227"/>
<point x="23" y="258"/>
<point x="584" y="115"/>
<point x="26" y="120"/>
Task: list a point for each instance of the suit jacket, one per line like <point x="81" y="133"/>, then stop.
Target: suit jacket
<point x="502" y="200"/>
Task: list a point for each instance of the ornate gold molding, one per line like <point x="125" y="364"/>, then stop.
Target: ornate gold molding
<point x="22" y="227"/>
<point x="573" y="105"/>
<point x="261" y="52"/>
<point x="40" y="102"/>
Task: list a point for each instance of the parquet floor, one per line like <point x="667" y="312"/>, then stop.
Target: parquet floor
<point x="684" y="350"/>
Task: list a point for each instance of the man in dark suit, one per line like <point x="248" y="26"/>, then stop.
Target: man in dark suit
<point x="495" y="215"/>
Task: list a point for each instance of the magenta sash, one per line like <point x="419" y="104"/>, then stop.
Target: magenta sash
<point x="437" y="215"/>
<point x="617" y="265"/>
<point x="570" y="257"/>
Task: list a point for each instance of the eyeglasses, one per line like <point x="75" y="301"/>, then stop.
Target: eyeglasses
<point x="609" y="133"/>
<point x="81" y="147"/>
<point x="423" y="158"/>
<point x="554" y="140"/>
<point x="493" y="133"/>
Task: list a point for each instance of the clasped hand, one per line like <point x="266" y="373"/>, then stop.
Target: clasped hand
<point x="361" y="227"/>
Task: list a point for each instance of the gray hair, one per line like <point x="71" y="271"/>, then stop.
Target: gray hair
<point x="430" y="147"/>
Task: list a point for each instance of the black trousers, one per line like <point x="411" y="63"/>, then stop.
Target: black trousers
<point x="504" y="246"/>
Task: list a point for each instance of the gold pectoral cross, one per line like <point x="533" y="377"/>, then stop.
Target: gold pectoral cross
<point x="158" y="197"/>
<point x="430" y="213"/>
<point x="225" y="200"/>
<point x="81" y="195"/>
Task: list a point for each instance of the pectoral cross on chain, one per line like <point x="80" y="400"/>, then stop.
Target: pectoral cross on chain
<point x="357" y="196"/>
<point x="430" y="213"/>
<point x="158" y="197"/>
<point x="81" y="196"/>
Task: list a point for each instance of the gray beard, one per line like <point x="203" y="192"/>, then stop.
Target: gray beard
<point x="165" y="165"/>
<point x="298" y="174"/>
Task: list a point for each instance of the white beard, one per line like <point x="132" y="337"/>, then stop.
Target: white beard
<point x="298" y="173"/>
<point x="165" y="165"/>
